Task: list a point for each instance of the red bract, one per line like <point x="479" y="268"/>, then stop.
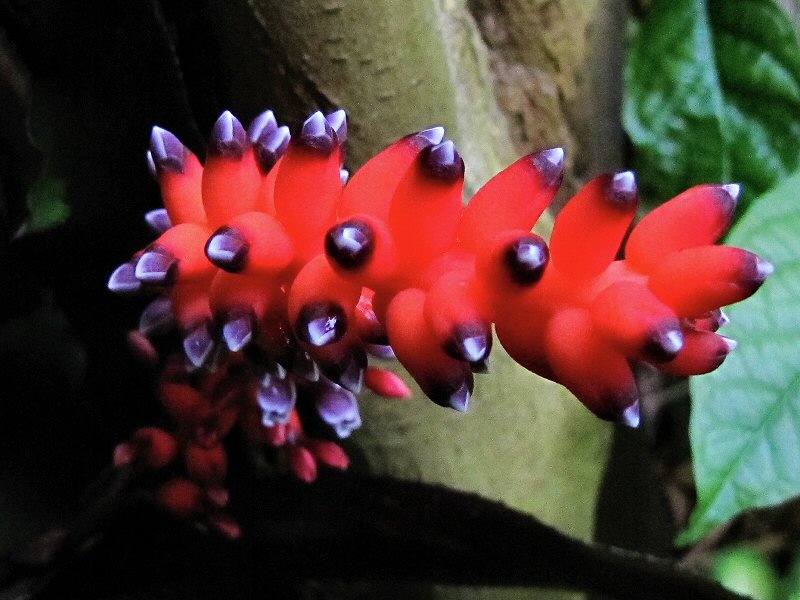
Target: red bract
<point x="595" y="314"/>
<point x="280" y="278"/>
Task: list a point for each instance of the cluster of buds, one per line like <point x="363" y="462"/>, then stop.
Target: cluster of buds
<point x="281" y="276"/>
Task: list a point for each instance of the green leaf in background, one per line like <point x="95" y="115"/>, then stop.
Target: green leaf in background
<point x="745" y="423"/>
<point x="47" y="206"/>
<point x="748" y="572"/>
<point x="712" y="94"/>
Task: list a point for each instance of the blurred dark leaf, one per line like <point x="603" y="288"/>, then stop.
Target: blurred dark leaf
<point x="47" y="206"/>
<point x="85" y="81"/>
<point x="345" y="528"/>
<point x="40" y="429"/>
<point x="19" y="159"/>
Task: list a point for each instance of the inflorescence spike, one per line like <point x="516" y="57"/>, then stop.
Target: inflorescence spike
<point x="279" y="276"/>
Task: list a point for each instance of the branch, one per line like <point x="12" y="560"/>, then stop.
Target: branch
<point x="351" y="528"/>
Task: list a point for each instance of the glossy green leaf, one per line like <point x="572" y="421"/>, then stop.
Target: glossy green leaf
<point x="745" y="423"/>
<point x="712" y="94"/>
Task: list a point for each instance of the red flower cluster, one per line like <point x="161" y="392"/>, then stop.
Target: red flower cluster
<point x="280" y="275"/>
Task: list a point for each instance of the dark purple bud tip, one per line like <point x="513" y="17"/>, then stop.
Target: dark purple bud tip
<point x="733" y="190"/>
<point x="344" y="176"/>
<point x="429" y="137"/>
<point x="630" y="416"/>
<point x="351" y="376"/>
<point x="279" y="371"/>
<point x="728" y="197"/>
<point x="303" y="366"/>
<point x="550" y="163"/>
<point x="622" y="190"/>
<point x="167" y="151"/>
<point x="459" y="400"/>
<point x="763" y="269"/>
<point x="227" y="249"/>
<point x="317" y="134"/>
<point x="526" y="259"/>
<point x="339" y="409"/>
<point x="276" y="401"/>
<point x="262" y="125"/>
<point x="123" y="280"/>
<point x="729" y="346"/>
<point x="664" y="343"/>
<point x="238" y="330"/>
<point x="443" y="161"/>
<point x="321" y="324"/>
<point x="151" y="164"/>
<point x="381" y="351"/>
<point x="470" y="342"/>
<point x="158" y="220"/>
<point x="452" y="396"/>
<point x="350" y="244"/>
<point x="157" y="318"/>
<point x="199" y="345"/>
<point x="273" y="372"/>
<point x="270" y="147"/>
<point x="480" y="366"/>
<point x="228" y="137"/>
<point x="156" y="266"/>
<point x="338" y="122"/>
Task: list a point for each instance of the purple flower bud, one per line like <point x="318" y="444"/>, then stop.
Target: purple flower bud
<point x="228" y="137"/>
<point x="623" y="190"/>
<point x="526" y="259"/>
<point x="262" y="125"/>
<point x="317" y="134"/>
<point x="382" y="351"/>
<point x="238" y="330"/>
<point x="470" y="342"/>
<point x="270" y="146"/>
<point x="156" y="266"/>
<point x="630" y="416"/>
<point x="166" y="151"/>
<point x="443" y="161"/>
<point x="339" y="409"/>
<point x="321" y="324"/>
<point x="430" y="137"/>
<point x="276" y="400"/>
<point x="350" y="244"/>
<point x="228" y="249"/>
<point x="157" y="318"/>
<point x="123" y="280"/>
<point x="199" y="345"/>
<point x="665" y="342"/>
<point x="351" y="374"/>
<point x="158" y="220"/>
<point x="338" y="122"/>
<point x="550" y="163"/>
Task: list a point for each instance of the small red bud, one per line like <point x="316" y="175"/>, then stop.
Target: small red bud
<point x="386" y="383"/>
<point x="303" y="463"/>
